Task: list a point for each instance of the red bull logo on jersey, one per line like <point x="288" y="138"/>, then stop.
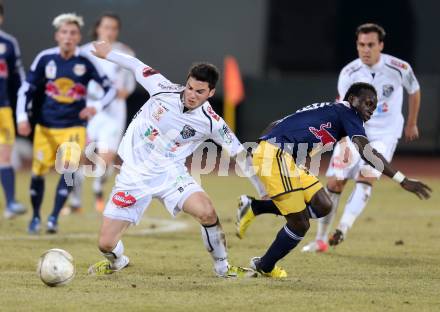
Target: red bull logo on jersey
<point x="65" y="91"/>
<point x="323" y="134"/>
<point x="3" y="69"/>
<point x="123" y="199"/>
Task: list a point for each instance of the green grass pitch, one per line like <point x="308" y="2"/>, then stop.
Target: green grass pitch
<point x="171" y="271"/>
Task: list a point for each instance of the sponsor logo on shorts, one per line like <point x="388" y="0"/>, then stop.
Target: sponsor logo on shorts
<point x="123" y="199"/>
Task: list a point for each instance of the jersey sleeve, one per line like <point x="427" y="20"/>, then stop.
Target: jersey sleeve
<point x="344" y="83"/>
<point x="223" y="136"/>
<point x="125" y="78"/>
<point x="102" y="80"/>
<point x="146" y="76"/>
<point x="34" y="78"/>
<point x="16" y="69"/>
<point x="409" y="80"/>
<point x="351" y="123"/>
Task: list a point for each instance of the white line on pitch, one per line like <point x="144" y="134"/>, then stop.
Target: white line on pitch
<point x="154" y="226"/>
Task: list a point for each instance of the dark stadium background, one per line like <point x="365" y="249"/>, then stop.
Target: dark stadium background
<point x="289" y="52"/>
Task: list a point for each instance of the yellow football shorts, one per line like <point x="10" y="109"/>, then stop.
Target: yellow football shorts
<point x="289" y="186"/>
<point x="56" y="147"/>
<point x="7" y="130"/>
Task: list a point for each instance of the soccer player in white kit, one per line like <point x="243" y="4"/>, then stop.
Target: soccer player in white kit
<point x="106" y="128"/>
<point x="389" y="75"/>
<point x="166" y="130"/>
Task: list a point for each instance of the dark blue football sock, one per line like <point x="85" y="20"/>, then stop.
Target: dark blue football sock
<point x="285" y="241"/>
<point x="62" y="193"/>
<point x="37" y="193"/>
<point x="260" y="206"/>
<point x="7" y="177"/>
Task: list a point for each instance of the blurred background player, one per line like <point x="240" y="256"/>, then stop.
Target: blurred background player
<point x="106" y="128"/>
<point x="11" y="77"/>
<point x="62" y="73"/>
<point x="389" y="75"/>
<point x="295" y="193"/>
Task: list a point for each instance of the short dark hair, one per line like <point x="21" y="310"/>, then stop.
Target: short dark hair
<point x="2" y="9"/>
<point x="204" y="72"/>
<point x="357" y="88"/>
<point x="99" y="21"/>
<point x="369" y="28"/>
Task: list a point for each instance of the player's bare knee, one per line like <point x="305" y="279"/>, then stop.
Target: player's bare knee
<point x="336" y="185"/>
<point x="298" y="222"/>
<point x="208" y="216"/>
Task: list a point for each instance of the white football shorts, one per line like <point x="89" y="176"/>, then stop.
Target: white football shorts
<point x="105" y="132"/>
<point x="346" y="163"/>
<point x="133" y="192"/>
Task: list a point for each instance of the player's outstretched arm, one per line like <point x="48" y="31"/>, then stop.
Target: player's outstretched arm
<point x="147" y="77"/>
<point x="370" y="155"/>
<point x="103" y="50"/>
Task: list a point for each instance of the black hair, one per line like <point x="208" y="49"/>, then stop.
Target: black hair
<point x="204" y="72"/>
<point x="99" y="21"/>
<point x="2" y="9"/>
<point x="357" y="88"/>
<point x="369" y="28"/>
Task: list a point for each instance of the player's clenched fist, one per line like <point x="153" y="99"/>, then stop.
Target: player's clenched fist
<point x="102" y="48"/>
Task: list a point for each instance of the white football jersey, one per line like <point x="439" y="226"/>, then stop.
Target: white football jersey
<point x="163" y="134"/>
<point x="120" y="78"/>
<point x="389" y="76"/>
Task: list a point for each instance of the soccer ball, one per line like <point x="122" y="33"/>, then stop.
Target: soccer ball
<point x="55" y="267"/>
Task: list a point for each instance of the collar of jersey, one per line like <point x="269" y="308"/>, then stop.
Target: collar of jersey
<point x="76" y="53"/>
<point x="376" y="67"/>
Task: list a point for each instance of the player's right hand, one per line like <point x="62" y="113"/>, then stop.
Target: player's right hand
<point x="420" y="189"/>
<point x="102" y="48"/>
<point x="24" y="128"/>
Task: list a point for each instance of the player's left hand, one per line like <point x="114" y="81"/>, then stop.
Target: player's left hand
<point x="87" y="112"/>
<point x="422" y="190"/>
<point x="411" y="133"/>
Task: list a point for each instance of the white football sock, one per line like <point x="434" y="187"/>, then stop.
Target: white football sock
<point x="116" y="256"/>
<point x="325" y="223"/>
<point x="76" y="194"/>
<point x="355" y="205"/>
<point x="214" y="239"/>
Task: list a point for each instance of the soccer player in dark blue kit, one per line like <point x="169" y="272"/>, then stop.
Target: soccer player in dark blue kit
<point x="295" y="193"/>
<point x="11" y="75"/>
<point x="62" y="73"/>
